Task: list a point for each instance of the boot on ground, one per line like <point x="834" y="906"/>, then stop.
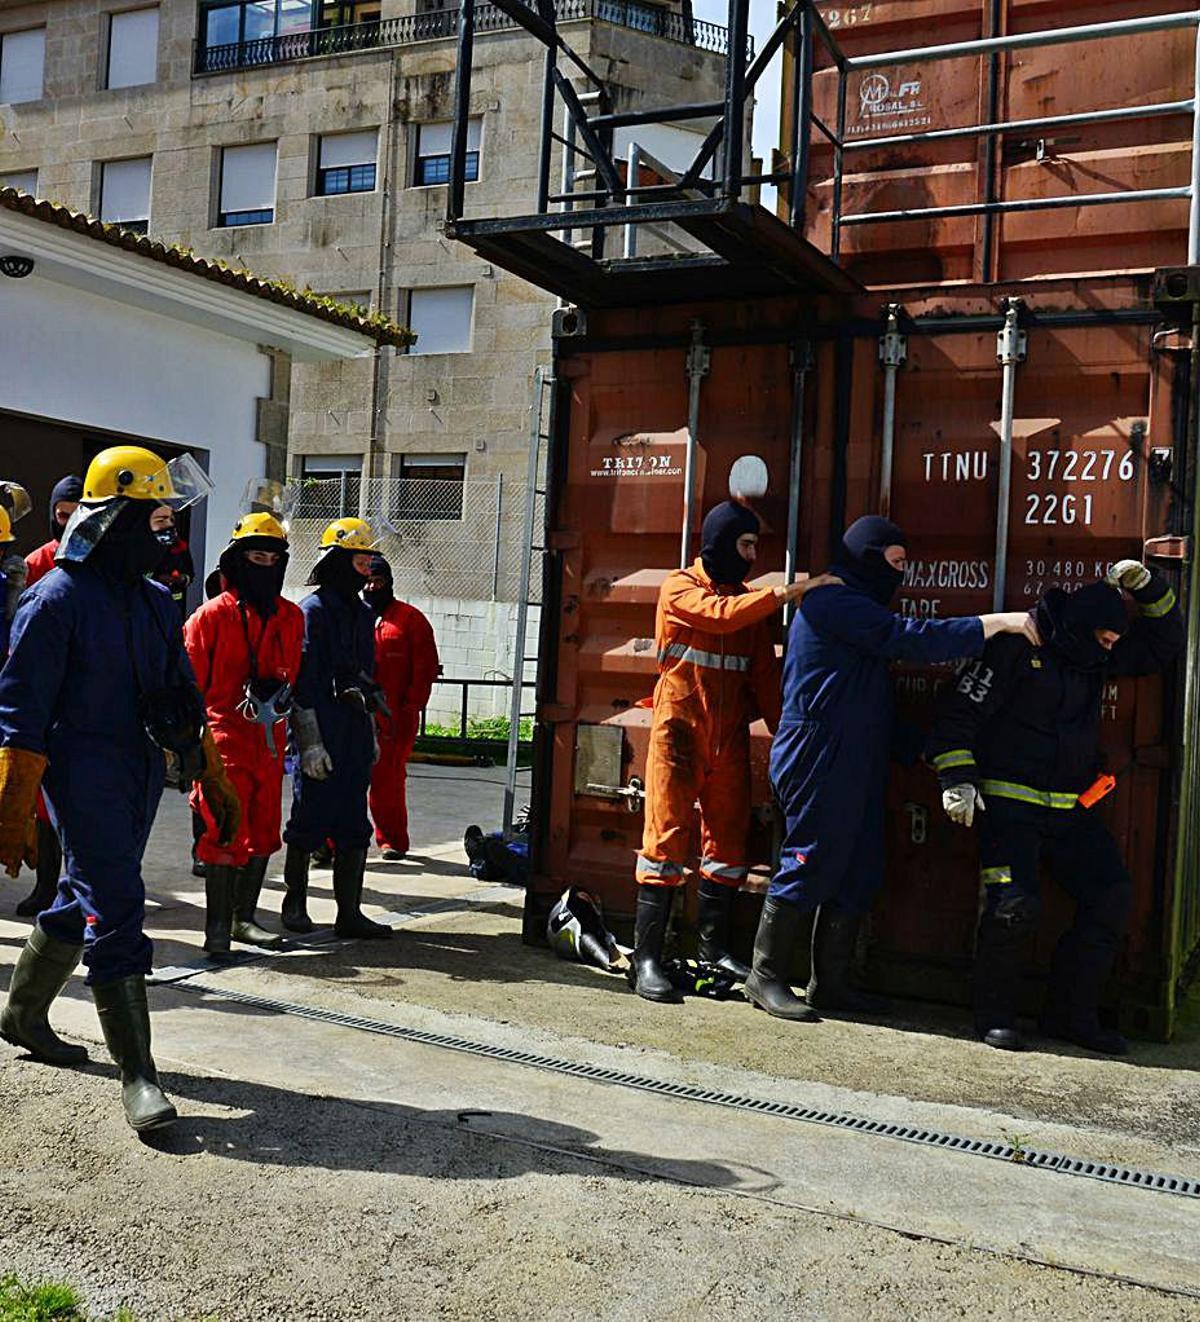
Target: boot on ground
<point x="348" y="868"/>
<point x="125" y="1022"/>
<point x="218" y="910"/>
<point x="834" y="937"/>
<point x="646" y="975"/>
<point x="49" y="868"/>
<point x="716" y="908"/>
<point x="767" y="986"/>
<point x="295" y="899"/>
<point x="247" y="887"/>
<point x="41" y="972"/>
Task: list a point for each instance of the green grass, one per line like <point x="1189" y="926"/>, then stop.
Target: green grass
<point x="482" y="727"/>
<point x="47" y="1301"/>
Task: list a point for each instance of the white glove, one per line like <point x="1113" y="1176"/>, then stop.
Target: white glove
<point x="960" y="803"/>
<point x="315" y="762"/>
<point x="1131" y="575"/>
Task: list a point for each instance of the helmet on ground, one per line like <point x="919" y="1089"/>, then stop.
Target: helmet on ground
<point x="352" y="534"/>
<point x="575" y="930"/>
<point x="14" y="505"/>
<point x="139" y="474"/>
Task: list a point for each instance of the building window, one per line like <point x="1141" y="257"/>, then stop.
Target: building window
<point x="227" y="25"/>
<point x="22" y="63"/>
<point x="345" y="13"/>
<point x="330" y="487"/>
<point x="441" y="318"/>
<point x="247" y="185"/>
<point x="430" y="486"/>
<point x="346" y="163"/>
<point x="132" y="49"/>
<point x="433" y="152"/>
<point x="125" y="194"/>
<point x="25" y="180"/>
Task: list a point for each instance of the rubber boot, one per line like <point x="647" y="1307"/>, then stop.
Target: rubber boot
<point x="125" y="1023"/>
<point x="716" y="906"/>
<point x="646" y="975"/>
<point x="348" y="868"/>
<point x="1001" y="953"/>
<point x="218" y="910"/>
<point x="40" y="974"/>
<point x="767" y="986"/>
<point x="1083" y="961"/>
<point x="49" y="868"/>
<point x="834" y="936"/>
<point x="247" y="886"/>
<point x="295" y="899"/>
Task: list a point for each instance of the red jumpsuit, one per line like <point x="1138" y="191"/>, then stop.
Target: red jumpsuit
<point x="40" y="562"/>
<point x="218" y="645"/>
<point x="406" y="664"/>
<point x="717" y="672"/>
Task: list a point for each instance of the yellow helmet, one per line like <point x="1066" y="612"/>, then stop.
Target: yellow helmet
<point x="259" y="524"/>
<point x="353" y="534"/>
<point x="14" y="505"/>
<point x="139" y="474"/>
<point x="6" y="532"/>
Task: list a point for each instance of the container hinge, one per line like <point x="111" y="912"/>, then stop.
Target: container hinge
<point x="1012" y="343"/>
<point x="633" y="794"/>
<point x="893" y="346"/>
<point x="1168" y="548"/>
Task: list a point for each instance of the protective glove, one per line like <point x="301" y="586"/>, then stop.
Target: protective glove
<point x="961" y="803"/>
<point x="1131" y="575"/>
<point x="219" y="794"/>
<point x="20" y="776"/>
<point x="315" y="762"/>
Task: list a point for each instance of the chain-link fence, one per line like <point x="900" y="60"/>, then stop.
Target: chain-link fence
<point x="442" y="538"/>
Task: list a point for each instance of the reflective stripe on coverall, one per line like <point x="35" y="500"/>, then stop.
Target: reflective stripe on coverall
<point x="717" y="672"/>
<point x="406" y="664"/>
<point x="219" y="651"/>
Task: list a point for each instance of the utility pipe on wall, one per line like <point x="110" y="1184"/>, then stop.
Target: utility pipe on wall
<point x="698" y="360"/>
<point x="1011" y="345"/>
<point x="893" y="350"/>
<point x="802" y="362"/>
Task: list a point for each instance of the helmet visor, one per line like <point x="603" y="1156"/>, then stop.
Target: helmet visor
<point x="14" y="499"/>
<point x="187" y="482"/>
<point x="263" y="495"/>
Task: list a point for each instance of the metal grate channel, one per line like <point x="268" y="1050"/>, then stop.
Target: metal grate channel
<point x="1058" y="1162"/>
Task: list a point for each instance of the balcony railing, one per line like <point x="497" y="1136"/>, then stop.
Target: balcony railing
<point x="441" y="23"/>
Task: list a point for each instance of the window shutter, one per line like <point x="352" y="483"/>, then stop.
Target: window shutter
<point x="133" y="48"/>
<point x="435" y="138"/>
<point x="22" y="62"/>
<point x="25" y="180"/>
<point x="341" y="149"/>
<point x="248" y="178"/>
<point x="442" y="319"/>
<point x="125" y="190"/>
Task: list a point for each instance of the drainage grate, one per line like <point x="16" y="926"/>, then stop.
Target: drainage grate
<point x="1036" y="1158"/>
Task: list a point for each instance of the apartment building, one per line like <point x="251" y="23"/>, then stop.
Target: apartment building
<point x="308" y="141"/>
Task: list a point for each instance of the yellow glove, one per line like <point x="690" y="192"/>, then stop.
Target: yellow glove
<point x="219" y="794"/>
<point x="20" y="776"/>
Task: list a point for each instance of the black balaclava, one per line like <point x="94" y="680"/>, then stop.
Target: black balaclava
<point x="723" y="525"/>
<point x="1067" y="622"/>
<point x="335" y="570"/>
<point x="129" y="548"/>
<point x="258" y="585"/>
<point x="66" y="488"/>
<point x="860" y="562"/>
<point x="381" y="597"/>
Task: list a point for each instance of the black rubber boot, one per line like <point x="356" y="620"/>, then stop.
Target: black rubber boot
<point x="40" y="974"/>
<point x="125" y="1022"/>
<point x="348" y="868"/>
<point x="767" y="986"/>
<point x="646" y="975"/>
<point x="218" y="910"/>
<point x="295" y="900"/>
<point x="49" y="869"/>
<point x="1001" y="954"/>
<point x="833" y="941"/>
<point x="716" y="906"/>
<point x="247" y="887"/>
<point x="1083" y="961"/>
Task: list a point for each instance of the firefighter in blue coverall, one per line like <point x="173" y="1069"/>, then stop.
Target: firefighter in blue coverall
<point x="829" y="763"/>
<point x="97" y="685"/>
<point x="333" y="722"/>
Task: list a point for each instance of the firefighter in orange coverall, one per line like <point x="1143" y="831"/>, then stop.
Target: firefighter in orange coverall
<point x="406" y="664"/>
<point x="717" y="671"/>
<point x="245" y="646"/>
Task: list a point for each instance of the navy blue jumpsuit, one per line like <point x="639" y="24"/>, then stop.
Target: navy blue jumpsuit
<point x="339" y="639"/>
<point x="829" y="760"/>
<point x="70" y="692"/>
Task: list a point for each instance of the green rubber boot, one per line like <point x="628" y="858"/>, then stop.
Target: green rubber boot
<point x="125" y="1022"/>
<point x="41" y="973"/>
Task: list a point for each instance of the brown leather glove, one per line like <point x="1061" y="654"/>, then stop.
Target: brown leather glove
<point x="219" y="793"/>
<point x="20" y="776"/>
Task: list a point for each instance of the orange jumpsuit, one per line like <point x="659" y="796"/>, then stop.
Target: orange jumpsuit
<point x="717" y="672"/>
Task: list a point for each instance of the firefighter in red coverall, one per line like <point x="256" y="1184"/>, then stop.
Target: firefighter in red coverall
<point x="717" y="672"/>
<point x="406" y="664"/>
<point x="245" y="646"/>
<point x="66" y="495"/>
